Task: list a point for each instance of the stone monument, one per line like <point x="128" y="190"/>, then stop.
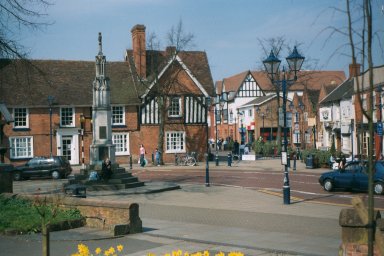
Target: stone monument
<point x="101" y="146"/>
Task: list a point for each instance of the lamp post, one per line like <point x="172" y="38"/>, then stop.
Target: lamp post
<point x="379" y="124"/>
<point x="242" y="139"/>
<point x="297" y="130"/>
<point x="82" y="123"/>
<point x="207" y="104"/>
<point x="50" y="103"/>
<point x="219" y="103"/>
<point x="271" y="64"/>
<point x="314" y="136"/>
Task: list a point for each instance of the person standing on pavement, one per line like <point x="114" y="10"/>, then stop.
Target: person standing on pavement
<point x="157" y="157"/>
<point x="142" y="155"/>
<point x="106" y="169"/>
<point x="236" y="147"/>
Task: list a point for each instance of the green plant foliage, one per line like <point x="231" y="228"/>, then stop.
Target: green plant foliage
<point x="19" y="214"/>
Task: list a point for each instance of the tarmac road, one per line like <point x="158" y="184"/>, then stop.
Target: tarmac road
<point x="196" y="217"/>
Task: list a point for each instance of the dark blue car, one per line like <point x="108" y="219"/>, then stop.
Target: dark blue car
<point x="354" y="177"/>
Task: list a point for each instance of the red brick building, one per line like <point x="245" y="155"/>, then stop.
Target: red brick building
<point x="135" y="84"/>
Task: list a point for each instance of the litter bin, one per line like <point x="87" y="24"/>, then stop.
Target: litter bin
<point x="309" y="162"/>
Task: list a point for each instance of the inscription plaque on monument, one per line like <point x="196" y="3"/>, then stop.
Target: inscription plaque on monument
<point x="103" y="132"/>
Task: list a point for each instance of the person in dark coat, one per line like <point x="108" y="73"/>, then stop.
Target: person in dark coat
<point x="106" y="169"/>
<point x="236" y="147"/>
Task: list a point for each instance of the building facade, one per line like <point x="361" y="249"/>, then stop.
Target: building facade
<point x="136" y="85"/>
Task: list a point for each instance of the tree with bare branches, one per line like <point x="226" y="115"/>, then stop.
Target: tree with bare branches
<point x="16" y="15"/>
<point x="166" y="76"/>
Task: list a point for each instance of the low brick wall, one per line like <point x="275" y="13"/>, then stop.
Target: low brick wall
<point x="120" y="218"/>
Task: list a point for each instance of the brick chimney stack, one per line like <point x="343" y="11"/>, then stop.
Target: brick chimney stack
<point x="354" y="70"/>
<point x="139" y="50"/>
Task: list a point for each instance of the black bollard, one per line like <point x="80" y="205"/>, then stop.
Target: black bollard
<point x="153" y="159"/>
<point x="294" y="162"/>
<point x="176" y="163"/>
<point x="130" y="162"/>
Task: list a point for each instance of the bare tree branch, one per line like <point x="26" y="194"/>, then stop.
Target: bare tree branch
<point x="16" y="15"/>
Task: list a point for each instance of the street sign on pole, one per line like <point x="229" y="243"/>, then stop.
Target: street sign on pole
<point x="379" y="128"/>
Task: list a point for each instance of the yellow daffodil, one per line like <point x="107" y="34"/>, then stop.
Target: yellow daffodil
<point x="98" y="250"/>
<point x="120" y="247"/>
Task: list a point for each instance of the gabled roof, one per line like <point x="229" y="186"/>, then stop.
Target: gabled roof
<point x="70" y="82"/>
<point x="195" y="63"/>
<point x="185" y="68"/>
<point x="311" y="79"/>
<point x="342" y="91"/>
<point x="314" y="80"/>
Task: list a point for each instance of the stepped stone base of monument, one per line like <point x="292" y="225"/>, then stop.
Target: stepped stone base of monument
<point x="120" y="179"/>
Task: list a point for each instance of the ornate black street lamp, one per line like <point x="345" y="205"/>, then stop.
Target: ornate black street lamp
<point x="50" y="103"/>
<point x="271" y="64"/>
<point x="240" y="115"/>
<point x="220" y="101"/>
<point x="82" y="123"/>
<point x="207" y="106"/>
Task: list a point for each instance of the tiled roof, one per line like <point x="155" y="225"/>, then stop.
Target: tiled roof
<point x="259" y="100"/>
<point x="196" y="62"/>
<point x="314" y="80"/>
<point x="311" y="79"/>
<point x="313" y="96"/>
<point x="342" y="91"/>
<point x="70" y="82"/>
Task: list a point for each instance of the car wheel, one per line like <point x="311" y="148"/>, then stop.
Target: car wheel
<point x="378" y="188"/>
<point x="328" y="185"/>
<point x="55" y="175"/>
<point x="17" y="176"/>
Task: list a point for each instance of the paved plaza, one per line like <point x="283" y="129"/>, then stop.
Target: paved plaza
<point x="216" y="218"/>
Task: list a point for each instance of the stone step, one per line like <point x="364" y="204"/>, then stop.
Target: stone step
<point x="103" y="187"/>
<point x="123" y="180"/>
<point x="121" y="175"/>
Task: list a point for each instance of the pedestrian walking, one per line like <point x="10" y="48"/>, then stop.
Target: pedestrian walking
<point x="157" y="157"/>
<point x="142" y="155"/>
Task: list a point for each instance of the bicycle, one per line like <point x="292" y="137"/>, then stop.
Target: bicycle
<point x="185" y="160"/>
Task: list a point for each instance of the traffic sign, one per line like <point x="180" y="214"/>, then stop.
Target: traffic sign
<point x="379" y="128"/>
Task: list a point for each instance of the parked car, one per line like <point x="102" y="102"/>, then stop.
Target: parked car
<point x="56" y="167"/>
<point x="354" y="177"/>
